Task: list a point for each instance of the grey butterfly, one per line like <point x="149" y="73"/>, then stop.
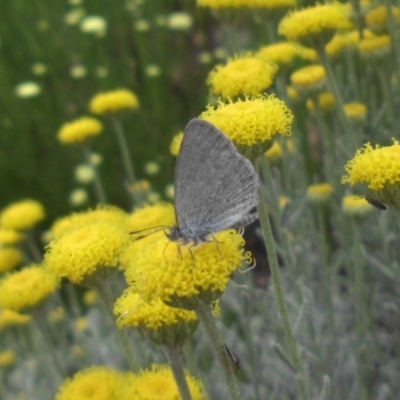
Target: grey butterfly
<point x="215" y="186"/>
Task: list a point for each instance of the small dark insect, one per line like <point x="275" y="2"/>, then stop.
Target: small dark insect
<point x="375" y="203"/>
<point x="232" y="355"/>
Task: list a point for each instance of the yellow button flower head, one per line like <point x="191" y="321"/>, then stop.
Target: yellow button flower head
<point x="9" y="318"/>
<point x="274" y="153"/>
<point x="309" y="80"/>
<point x="97" y="382"/>
<point x="241" y="75"/>
<point x="356" y="112"/>
<point x="79" y="253"/>
<point x="90" y="298"/>
<point x="76" y="220"/>
<point x="177" y="275"/>
<point x="116" y="100"/>
<point x="10" y="258"/>
<point x="176" y="144"/>
<point x="155" y="320"/>
<point x="284" y="53"/>
<point x="252" y="121"/>
<point x="10" y="237"/>
<point x="347" y="40"/>
<point x="158" y="383"/>
<point x="356" y="206"/>
<point x="22" y="215"/>
<point x="326" y="101"/>
<point x="270" y="4"/>
<point x="153" y="216"/>
<point x="315" y="25"/>
<point x="79" y="130"/>
<point x="379" y="169"/>
<point x="26" y="288"/>
<point x="7" y="358"/>
<point x="319" y="193"/>
<point x="376" y="47"/>
<point x="377" y="19"/>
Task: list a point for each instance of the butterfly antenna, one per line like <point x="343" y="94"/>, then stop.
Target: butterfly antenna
<point x="155" y="229"/>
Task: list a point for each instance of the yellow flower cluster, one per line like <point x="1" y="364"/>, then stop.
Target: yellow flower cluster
<point x="10" y="236"/>
<point x="355" y="111"/>
<point x="245" y="75"/>
<point x="377" y="19"/>
<point x="309" y="79"/>
<point x="270" y="4"/>
<point x="10" y="258"/>
<point x="284" y="53"/>
<point x="377" y="167"/>
<point x="134" y="311"/>
<point x="356" y="206"/>
<point x="251" y="121"/>
<point x="346" y="40"/>
<point x="176" y="144"/>
<point x="22" y="215"/>
<point x="105" y="383"/>
<point x="319" y="193"/>
<point x="9" y="318"/>
<point x="109" y="102"/>
<point x="375" y="47"/>
<point x="167" y="271"/>
<point x="79" y="130"/>
<point x="82" y="251"/>
<point x="27" y="288"/>
<point x="315" y="23"/>
<point x="326" y="101"/>
<point x="7" y="358"/>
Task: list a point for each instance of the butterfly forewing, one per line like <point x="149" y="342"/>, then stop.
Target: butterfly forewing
<point x="215" y="186"/>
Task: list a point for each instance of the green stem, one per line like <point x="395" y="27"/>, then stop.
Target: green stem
<point x="206" y="318"/>
<point x="279" y="294"/>
<point x="39" y="317"/>
<point x="34" y="250"/>
<point x="335" y="89"/>
<point x="104" y="289"/>
<point x="98" y="186"/>
<point x="361" y="309"/>
<point x="125" y="154"/>
<point x="173" y="354"/>
<point x="385" y="84"/>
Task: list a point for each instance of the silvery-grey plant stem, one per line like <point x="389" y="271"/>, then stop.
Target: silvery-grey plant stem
<point x="174" y="357"/>
<point x="206" y="318"/>
<point x="291" y="341"/>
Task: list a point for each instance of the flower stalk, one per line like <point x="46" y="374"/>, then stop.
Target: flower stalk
<point x="206" y="318"/>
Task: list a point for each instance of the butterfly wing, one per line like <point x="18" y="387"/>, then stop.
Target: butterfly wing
<point x="215" y="186"/>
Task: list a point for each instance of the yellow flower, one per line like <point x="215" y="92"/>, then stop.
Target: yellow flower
<point x="102" y="213"/>
<point x="284" y="53"/>
<point x="79" y="253"/>
<point x="7" y="358"/>
<point x="345" y="40"/>
<point x="26" y="90"/>
<point x="251" y="121"/>
<point x="379" y="169"/>
<point x="22" y="215"/>
<point x="56" y="315"/>
<point x="94" y="24"/>
<point x="109" y="102"/>
<point x="246" y="75"/>
<point x="94" y="383"/>
<point x="176" y="144"/>
<point x="270" y="4"/>
<point x="275" y="152"/>
<point x="81" y="324"/>
<point x="377" y="19"/>
<point x="10" y="258"/>
<point x="356" y="112"/>
<point x="293" y="94"/>
<point x="9" y="318"/>
<point x="356" y="206"/>
<point x="153" y="315"/>
<point x="315" y="24"/>
<point x="179" y="21"/>
<point x="154" y="216"/>
<point x="10" y="237"/>
<point x="176" y="273"/>
<point x="326" y="101"/>
<point x="375" y="47"/>
<point x="26" y="288"/>
<point x="90" y="298"/>
<point x="158" y="383"/>
<point x="79" y="130"/>
<point x="310" y="79"/>
<point x="319" y="193"/>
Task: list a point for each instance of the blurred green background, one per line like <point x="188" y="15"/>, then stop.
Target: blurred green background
<point x="43" y="42"/>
